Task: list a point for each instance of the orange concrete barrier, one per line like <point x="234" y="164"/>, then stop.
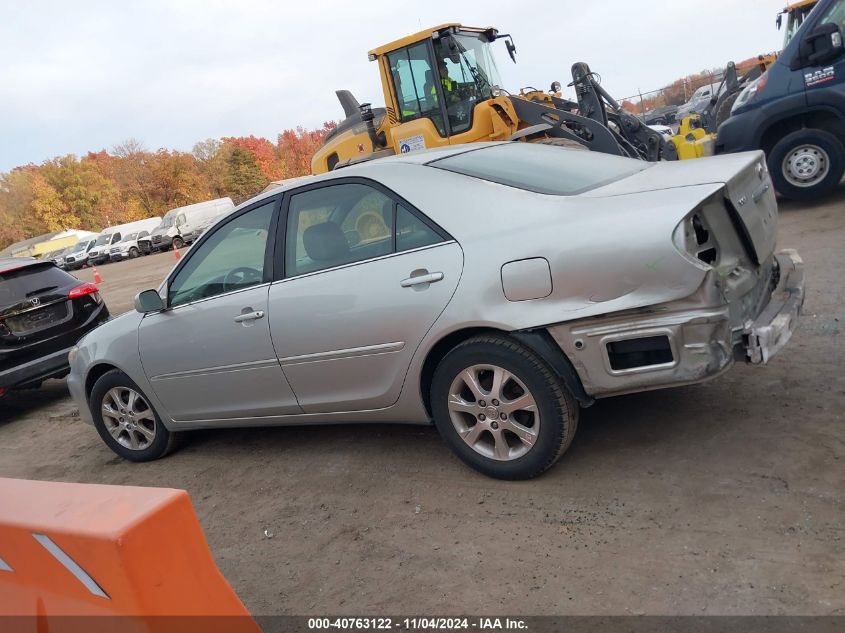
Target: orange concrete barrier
<point x="90" y="550"/>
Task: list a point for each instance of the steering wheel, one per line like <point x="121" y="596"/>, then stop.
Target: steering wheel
<point x="241" y="276"/>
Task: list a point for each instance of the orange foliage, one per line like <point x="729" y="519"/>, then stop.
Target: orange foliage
<point x="106" y="188"/>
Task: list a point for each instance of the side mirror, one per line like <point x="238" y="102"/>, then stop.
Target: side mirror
<point x="822" y="44"/>
<point x="148" y="301"/>
<point x="511" y="49"/>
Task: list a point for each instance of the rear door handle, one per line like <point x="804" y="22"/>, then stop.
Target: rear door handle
<point x="429" y="278"/>
<point x="249" y="316"/>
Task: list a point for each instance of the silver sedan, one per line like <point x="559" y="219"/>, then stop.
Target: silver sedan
<point x="493" y="289"/>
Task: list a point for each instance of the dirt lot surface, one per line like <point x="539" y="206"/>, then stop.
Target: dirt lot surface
<point x="725" y="498"/>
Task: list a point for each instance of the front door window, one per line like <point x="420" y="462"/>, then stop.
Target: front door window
<point x="231" y="259"/>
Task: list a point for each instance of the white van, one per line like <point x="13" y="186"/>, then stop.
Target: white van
<point x="78" y="255"/>
<point x="127" y="247"/>
<point x="99" y="253"/>
<point x="183" y="225"/>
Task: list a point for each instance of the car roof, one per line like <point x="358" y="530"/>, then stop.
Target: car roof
<point x="420" y="157"/>
<point x="13" y="263"/>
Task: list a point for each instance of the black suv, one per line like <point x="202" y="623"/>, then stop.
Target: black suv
<point x="44" y="311"/>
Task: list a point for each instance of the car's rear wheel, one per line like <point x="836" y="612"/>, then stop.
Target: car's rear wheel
<point x="501" y="409"/>
<point x="807" y="164"/>
<point x="126" y="420"/>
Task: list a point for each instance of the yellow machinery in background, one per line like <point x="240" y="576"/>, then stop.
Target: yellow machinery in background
<point x="696" y="136"/>
<point x="442" y="87"/>
<point x="795" y="14"/>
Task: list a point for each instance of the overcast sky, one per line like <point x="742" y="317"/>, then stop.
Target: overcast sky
<point x="79" y="76"/>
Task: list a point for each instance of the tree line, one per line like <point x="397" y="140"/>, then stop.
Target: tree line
<point x="130" y="182"/>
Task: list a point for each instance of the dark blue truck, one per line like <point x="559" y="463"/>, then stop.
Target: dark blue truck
<point x="795" y="111"/>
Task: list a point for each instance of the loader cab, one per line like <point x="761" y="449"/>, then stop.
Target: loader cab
<point x="794" y="14"/>
<point x="435" y="82"/>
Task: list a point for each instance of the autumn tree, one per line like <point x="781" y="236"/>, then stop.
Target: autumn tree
<point x="296" y="147"/>
<point x="16" y="220"/>
<point x="264" y="153"/>
<point x="243" y="178"/>
<point x="129" y="182"/>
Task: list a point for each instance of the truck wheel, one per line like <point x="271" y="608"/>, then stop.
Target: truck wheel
<point x="133" y="253"/>
<point x="126" y="421"/>
<point x="724" y="111"/>
<point x="501" y="409"/>
<point x="178" y="243"/>
<point x="807" y="164"/>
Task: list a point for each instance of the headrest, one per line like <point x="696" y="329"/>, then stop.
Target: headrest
<point x="325" y="242"/>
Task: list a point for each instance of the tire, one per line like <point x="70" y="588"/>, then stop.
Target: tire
<point x="495" y="449"/>
<point x="807" y="164"/>
<point x="724" y="111"/>
<point x="178" y="242"/>
<point x="133" y="253"/>
<point x="114" y="384"/>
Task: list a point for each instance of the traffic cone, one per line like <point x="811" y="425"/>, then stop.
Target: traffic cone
<point x="97" y="278"/>
<point x="176" y="253"/>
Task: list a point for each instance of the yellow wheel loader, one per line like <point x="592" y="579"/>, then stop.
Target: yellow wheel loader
<point x="795" y="14"/>
<point x="442" y="87"/>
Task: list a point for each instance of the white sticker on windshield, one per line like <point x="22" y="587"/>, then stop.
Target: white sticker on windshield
<point x="411" y="144"/>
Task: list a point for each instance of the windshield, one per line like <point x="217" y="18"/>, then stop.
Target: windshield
<point x="130" y="238"/>
<point x="80" y="247"/>
<point x="103" y="239"/>
<point x="467" y="72"/>
<point x="475" y="64"/>
<point x="167" y="220"/>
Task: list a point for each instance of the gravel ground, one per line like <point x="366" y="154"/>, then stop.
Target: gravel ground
<point x="724" y="498"/>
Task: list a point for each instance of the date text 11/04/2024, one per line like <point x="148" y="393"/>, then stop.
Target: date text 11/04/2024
<point x="416" y="624"/>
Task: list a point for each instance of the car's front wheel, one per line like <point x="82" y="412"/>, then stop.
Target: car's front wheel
<point x="501" y="408"/>
<point x="126" y="420"/>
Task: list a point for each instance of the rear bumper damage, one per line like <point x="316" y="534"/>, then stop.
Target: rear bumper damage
<point x="772" y="330"/>
<point x="683" y="342"/>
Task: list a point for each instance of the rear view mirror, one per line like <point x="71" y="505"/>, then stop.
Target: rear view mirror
<point x="148" y="301"/>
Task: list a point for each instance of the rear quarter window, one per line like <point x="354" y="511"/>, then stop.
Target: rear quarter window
<point x="17" y="285"/>
<point x="541" y="168"/>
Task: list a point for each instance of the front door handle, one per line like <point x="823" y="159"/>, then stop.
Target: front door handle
<point x="249" y="316"/>
<point x="417" y="280"/>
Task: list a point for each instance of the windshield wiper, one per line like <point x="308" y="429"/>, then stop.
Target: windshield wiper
<point x="39" y="290"/>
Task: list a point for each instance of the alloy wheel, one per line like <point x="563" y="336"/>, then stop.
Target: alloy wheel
<point x="128" y="418"/>
<point x="494" y="412"/>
